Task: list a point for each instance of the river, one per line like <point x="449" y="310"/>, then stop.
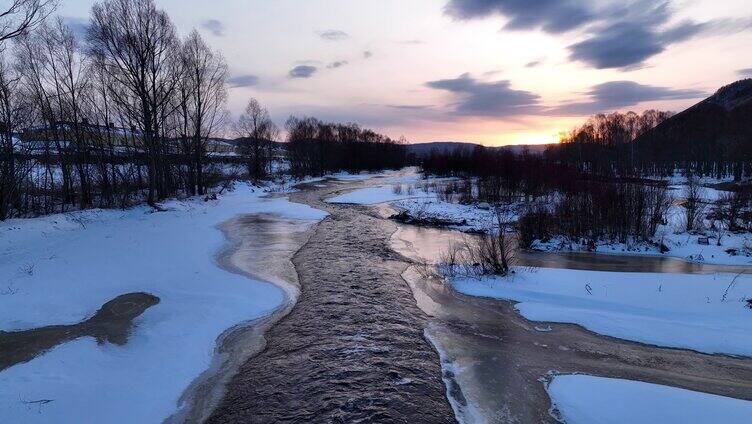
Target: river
<point x="372" y="334"/>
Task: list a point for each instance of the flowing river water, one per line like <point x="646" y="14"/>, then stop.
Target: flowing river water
<point x="371" y="334"/>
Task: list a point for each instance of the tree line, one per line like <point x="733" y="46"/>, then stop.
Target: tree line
<point x="605" y="145"/>
<point x="95" y="122"/>
<point x="132" y="112"/>
<point x="494" y="175"/>
<point x="316" y="148"/>
<point x="598" y="184"/>
<point x="657" y="144"/>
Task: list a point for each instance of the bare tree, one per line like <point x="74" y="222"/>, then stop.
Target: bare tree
<point x="694" y="206"/>
<point x="14" y="163"/>
<point x="203" y="93"/>
<point x="18" y="16"/>
<point x="66" y="74"/>
<point x="659" y="200"/>
<point x="33" y="63"/>
<point x="136" y="44"/>
<point x="257" y="133"/>
<point x="730" y="206"/>
<point x="494" y="251"/>
<point x="491" y="253"/>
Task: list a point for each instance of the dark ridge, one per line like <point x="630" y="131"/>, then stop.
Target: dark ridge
<point x="718" y="125"/>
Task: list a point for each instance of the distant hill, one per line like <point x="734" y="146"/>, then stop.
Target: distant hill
<point x="720" y="125"/>
<point x="424" y="149"/>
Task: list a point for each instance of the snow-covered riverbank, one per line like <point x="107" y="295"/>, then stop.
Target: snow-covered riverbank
<point x="409" y="193"/>
<point x="413" y="195"/>
<point x="703" y="312"/>
<point x="584" y="399"/>
<point x="60" y="269"/>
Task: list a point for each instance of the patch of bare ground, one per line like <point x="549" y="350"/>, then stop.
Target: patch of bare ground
<point x="111" y="324"/>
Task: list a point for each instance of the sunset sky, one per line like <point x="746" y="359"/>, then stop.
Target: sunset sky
<point x="487" y="71"/>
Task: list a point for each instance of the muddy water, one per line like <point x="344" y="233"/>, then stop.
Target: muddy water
<point x="353" y="347"/>
<point x="376" y="337"/>
<point x="500" y="362"/>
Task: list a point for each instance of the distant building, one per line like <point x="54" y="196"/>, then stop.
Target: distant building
<point x="63" y="131"/>
<point x="123" y="139"/>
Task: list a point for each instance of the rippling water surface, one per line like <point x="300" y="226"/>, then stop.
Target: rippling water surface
<point x="361" y="343"/>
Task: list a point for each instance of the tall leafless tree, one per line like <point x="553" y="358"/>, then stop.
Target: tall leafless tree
<point x="136" y="44"/>
<point x="17" y="16"/>
<point x="257" y="132"/>
<point x="66" y="72"/>
<point x="202" y="96"/>
<point x="33" y="64"/>
<point x="694" y="205"/>
<point x="14" y="163"/>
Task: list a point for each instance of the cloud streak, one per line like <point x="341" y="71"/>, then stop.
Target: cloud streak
<point x="617" y="35"/>
<point x="302" y="71"/>
<point x="333" y="35"/>
<point x="626" y="39"/>
<point x="615" y="95"/>
<point x="745" y="73"/>
<point x="487" y="99"/>
<point x="554" y="16"/>
<point x="534" y="63"/>
<point x="246" y="80"/>
<point x="337" y="64"/>
<point x="214" y="26"/>
<point x="474" y="98"/>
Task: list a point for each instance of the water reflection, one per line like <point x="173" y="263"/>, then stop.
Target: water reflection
<point x="495" y="362"/>
<point x="430" y="244"/>
<point x="264" y="245"/>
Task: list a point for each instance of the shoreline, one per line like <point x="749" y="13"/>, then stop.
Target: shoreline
<point x="489" y="352"/>
<point x="536" y="255"/>
<point x="245" y="340"/>
<point x="371" y="343"/>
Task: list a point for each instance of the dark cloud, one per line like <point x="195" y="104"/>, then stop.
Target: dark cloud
<point x="79" y="26"/>
<point x="534" y="63"/>
<point x="333" y="35"/>
<point x="553" y="16"/>
<point x="302" y="71"/>
<point x="618" y="46"/>
<point x="243" y="80"/>
<point x="747" y="72"/>
<point x="214" y="26"/>
<point x="337" y="64"/>
<point x="615" y="95"/>
<point x="684" y="31"/>
<point x="495" y="99"/>
<point x="629" y="44"/>
<point x="367" y="54"/>
<point x="615" y="34"/>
